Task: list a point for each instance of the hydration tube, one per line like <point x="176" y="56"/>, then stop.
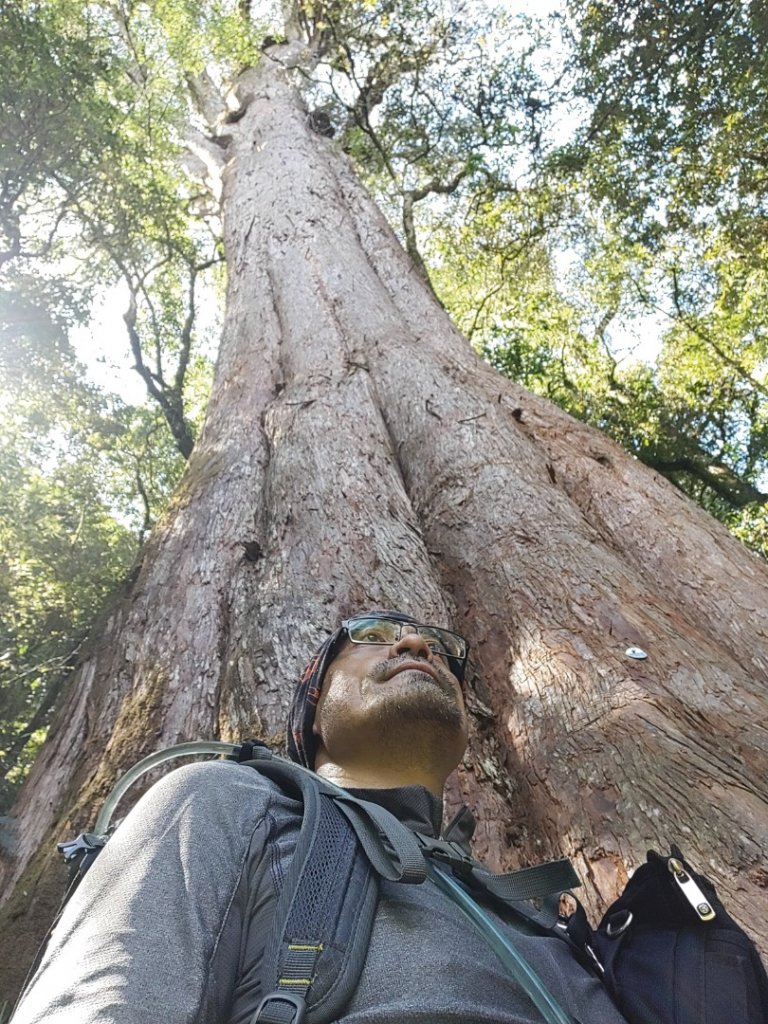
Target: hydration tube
<point x="518" y="966"/>
<point x="147" y="764"/>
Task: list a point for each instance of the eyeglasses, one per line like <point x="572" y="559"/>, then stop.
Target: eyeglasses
<point x="381" y="630"/>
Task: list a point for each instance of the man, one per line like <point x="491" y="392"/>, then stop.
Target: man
<point x="171" y="923"/>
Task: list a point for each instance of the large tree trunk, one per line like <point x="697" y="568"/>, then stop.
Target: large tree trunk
<point x="354" y="437"/>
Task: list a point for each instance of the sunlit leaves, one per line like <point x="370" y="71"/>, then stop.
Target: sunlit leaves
<point x="667" y="185"/>
<point x="435" y="94"/>
<point x="83" y="477"/>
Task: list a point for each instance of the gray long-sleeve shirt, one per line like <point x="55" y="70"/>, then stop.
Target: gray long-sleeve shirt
<point x="171" y="923"/>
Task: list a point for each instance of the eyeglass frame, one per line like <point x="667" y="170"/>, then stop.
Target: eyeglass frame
<point x="462" y="658"/>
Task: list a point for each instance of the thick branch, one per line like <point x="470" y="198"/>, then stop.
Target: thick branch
<point x="713" y="474"/>
<point x="413" y="196"/>
<point x="168" y="398"/>
<point x="207" y="97"/>
<point x="411" y="242"/>
<point x="186" y="332"/>
<point x="147" y="522"/>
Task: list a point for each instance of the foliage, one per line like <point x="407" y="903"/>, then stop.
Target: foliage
<point x="92" y="112"/>
<point x="546" y="237"/>
<point x="83" y="477"/>
<point x="671" y="165"/>
<point x="432" y="101"/>
<point x="55" y="529"/>
<point x="96" y="189"/>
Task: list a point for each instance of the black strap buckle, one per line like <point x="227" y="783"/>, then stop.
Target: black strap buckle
<point x="280" y="1007"/>
<point x="446" y="852"/>
<point x="250" y="750"/>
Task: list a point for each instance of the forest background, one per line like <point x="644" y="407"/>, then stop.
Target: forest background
<point x="584" y="192"/>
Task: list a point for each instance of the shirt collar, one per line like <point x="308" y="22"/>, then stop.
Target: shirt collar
<point x="415" y="806"/>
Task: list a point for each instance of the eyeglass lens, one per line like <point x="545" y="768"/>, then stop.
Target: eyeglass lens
<point x="387" y="631"/>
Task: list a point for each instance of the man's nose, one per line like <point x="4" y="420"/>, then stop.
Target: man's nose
<point x="410" y="641"/>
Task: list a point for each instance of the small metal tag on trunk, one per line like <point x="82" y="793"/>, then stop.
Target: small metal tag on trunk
<point x="636" y="652"/>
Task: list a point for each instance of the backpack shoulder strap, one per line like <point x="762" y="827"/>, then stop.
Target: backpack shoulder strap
<point x="322" y="926"/>
<point x="343" y="837"/>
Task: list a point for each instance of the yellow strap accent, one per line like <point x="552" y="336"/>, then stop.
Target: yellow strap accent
<point x="318" y="948"/>
<point x="295" y="981"/>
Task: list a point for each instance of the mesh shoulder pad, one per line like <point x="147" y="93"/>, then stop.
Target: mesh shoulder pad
<point x="324" y="916"/>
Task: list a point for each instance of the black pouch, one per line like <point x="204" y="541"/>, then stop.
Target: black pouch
<point x="673" y="955"/>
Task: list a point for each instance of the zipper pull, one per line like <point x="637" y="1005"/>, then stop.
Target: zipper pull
<point x="690" y="890"/>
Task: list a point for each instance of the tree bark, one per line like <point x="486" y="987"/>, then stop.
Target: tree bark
<point x="356" y="441"/>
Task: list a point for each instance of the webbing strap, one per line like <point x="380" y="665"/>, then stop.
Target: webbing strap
<point x="298" y="969"/>
<point x="546" y="918"/>
<point x="392" y="849"/>
<point x="555" y="876"/>
<point x="529" y="883"/>
<point x="288" y="1003"/>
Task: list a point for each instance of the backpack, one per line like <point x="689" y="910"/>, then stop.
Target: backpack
<point x="667" y="951"/>
<point x="322" y="925"/>
<point x="672" y="954"/>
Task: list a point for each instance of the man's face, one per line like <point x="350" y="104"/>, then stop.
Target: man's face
<point x="378" y="696"/>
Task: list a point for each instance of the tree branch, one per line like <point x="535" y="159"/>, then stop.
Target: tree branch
<point x="207" y="98"/>
<point x="147" y="523"/>
<point x="413" y="196"/>
<point x="168" y="398"/>
<point x="713" y="474"/>
<point x="694" y="328"/>
<point x="136" y="69"/>
<point x="186" y="334"/>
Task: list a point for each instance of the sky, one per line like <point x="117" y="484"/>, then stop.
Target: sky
<point x="103" y="347"/>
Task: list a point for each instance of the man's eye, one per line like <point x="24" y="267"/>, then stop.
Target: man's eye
<point x="373" y="636"/>
<point x="433" y="643"/>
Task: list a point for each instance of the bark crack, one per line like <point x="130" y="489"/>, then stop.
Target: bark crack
<point x="281" y="370"/>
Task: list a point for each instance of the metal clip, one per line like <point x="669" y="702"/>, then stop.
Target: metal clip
<point x="690" y="890"/>
<point x="85" y="843"/>
<point x="613" y="930"/>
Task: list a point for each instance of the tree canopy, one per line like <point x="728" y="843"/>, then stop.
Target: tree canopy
<point x="560" y="182"/>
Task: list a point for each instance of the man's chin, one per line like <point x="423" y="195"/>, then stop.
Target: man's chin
<point x="413" y="696"/>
